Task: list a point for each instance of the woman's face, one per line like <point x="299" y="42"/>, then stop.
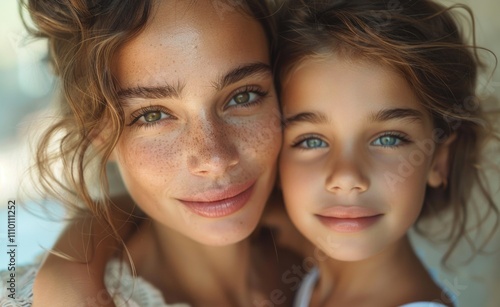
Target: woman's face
<point x="202" y="122"/>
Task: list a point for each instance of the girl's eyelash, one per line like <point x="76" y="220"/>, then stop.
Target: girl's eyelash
<point x="136" y="115"/>
<point x="296" y="143"/>
<point x="401" y="136"/>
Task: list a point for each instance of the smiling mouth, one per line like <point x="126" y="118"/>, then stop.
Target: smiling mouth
<point x="348" y="219"/>
<point x="221" y="202"/>
<point x="347" y="225"/>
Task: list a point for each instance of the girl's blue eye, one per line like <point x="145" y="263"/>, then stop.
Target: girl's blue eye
<point x="311" y="143"/>
<point x="389" y="140"/>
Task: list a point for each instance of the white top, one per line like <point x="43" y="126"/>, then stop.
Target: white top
<point x="125" y="289"/>
<point x="304" y="293"/>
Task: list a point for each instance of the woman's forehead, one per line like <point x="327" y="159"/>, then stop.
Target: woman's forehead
<point x="182" y="39"/>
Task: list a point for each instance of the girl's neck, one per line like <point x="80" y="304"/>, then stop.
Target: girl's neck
<point x="396" y="271"/>
<point x="187" y="271"/>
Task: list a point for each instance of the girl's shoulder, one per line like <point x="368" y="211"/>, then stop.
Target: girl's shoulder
<point x="126" y="289"/>
<point x="423" y="304"/>
<point x="304" y="293"/>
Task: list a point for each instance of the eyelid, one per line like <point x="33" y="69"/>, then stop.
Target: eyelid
<point x="244" y="89"/>
<point x="403" y="137"/>
<point x="136" y="115"/>
<point x="305" y="137"/>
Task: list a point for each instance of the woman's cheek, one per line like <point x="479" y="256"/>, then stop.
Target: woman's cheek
<point x="150" y="158"/>
<point x="261" y="138"/>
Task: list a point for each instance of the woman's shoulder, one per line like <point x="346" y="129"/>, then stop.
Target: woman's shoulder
<point x="17" y="286"/>
<point x="125" y="288"/>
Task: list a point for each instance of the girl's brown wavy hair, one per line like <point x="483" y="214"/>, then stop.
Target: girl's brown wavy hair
<point x="83" y="37"/>
<point x="421" y="41"/>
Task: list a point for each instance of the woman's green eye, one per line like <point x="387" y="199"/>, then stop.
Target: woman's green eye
<point x="242" y="98"/>
<point x="152" y="116"/>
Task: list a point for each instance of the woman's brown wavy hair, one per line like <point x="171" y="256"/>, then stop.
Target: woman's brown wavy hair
<point x="421" y="41"/>
<point x="83" y="37"/>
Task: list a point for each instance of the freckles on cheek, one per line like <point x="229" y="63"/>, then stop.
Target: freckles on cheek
<point x="260" y="140"/>
<point x="150" y="158"/>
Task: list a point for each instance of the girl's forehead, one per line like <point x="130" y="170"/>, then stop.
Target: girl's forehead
<point x="342" y="83"/>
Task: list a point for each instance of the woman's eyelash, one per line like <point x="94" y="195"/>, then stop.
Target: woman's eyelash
<point x="250" y="89"/>
<point x="135" y="116"/>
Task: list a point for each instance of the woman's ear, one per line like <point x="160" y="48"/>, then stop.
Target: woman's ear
<point x="440" y="167"/>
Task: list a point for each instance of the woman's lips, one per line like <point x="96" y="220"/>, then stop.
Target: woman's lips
<point x="219" y="202"/>
<point x="348" y="218"/>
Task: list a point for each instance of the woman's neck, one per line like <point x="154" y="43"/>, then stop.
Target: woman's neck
<point x="187" y="271"/>
<point x="397" y="272"/>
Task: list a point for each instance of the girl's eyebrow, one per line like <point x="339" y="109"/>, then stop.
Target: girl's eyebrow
<point x="170" y="91"/>
<point x="397" y="113"/>
<point x="306" y="117"/>
<point x="380" y="116"/>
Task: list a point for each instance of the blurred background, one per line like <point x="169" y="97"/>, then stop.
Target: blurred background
<point x="27" y="89"/>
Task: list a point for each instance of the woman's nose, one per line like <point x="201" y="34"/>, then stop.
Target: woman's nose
<point x="212" y="151"/>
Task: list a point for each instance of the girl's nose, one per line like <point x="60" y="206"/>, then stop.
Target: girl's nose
<point x="346" y="174"/>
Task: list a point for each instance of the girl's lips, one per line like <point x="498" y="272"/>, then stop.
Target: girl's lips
<point x="348" y="218"/>
<point x="348" y="211"/>
<point x="220" y="203"/>
<point x="349" y="224"/>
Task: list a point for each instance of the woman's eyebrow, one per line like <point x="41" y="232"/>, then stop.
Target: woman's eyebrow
<point x="241" y="72"/>
<point x="151" y="92"/>
<point x="397" y="113"/>
<point x="169" y="91"/>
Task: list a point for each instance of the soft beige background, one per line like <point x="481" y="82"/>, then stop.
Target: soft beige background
<point x="475" y="284"/>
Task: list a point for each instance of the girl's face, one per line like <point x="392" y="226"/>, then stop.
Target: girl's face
<point x="202" y="122"/>
<point x="357" y="156"/>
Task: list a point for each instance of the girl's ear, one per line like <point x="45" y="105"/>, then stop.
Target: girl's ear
<point x="440" y="167"/>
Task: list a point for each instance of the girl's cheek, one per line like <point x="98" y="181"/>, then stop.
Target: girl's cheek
<point x="402" y="170"/>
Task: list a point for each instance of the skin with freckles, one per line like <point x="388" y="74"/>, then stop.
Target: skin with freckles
<point x="198" y="129"/>
<point x="202" y="132"/>
<point x="357" y="157"/>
